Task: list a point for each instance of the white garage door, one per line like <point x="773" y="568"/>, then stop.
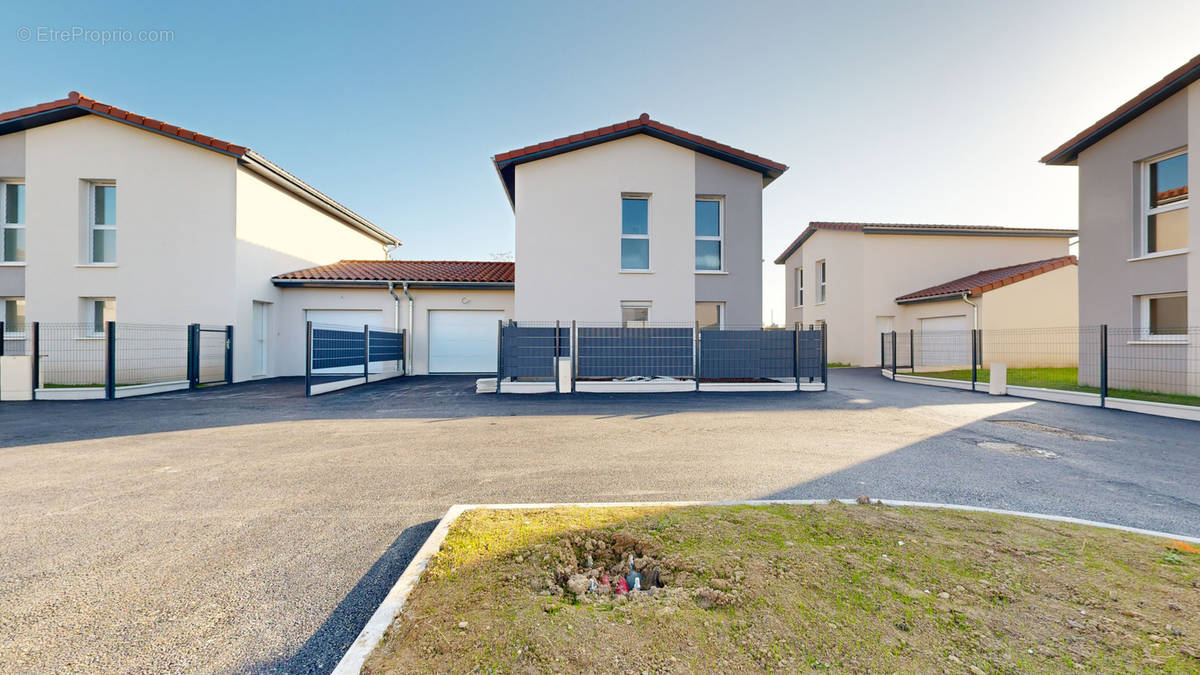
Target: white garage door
<point x="349" y="319"/>
<point x="462" y="341"/>
<point x="945" y="341"/>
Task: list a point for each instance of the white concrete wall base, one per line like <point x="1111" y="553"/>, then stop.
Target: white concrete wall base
<point x="916" y="379"/>
<point x="326" y="387"/>
<point x="372" y="633"/>
<point x="634" y="387"/>
<point x="1060" y="395"/>
<point x="153" y="388"/>
<point x="1183" y="412"/>
<point x="70" y="393"/>
<point x="750" y="386"/>
<point x="528" y="387"/>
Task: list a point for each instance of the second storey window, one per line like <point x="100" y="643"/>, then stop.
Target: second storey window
<point x="1165" y="221"/>
<point x="798" y="287"/>
<point x="102" y="224"/>
<point x="635" y="233"/>
<point x="708" y="235"/>
<point x="12" y="205"/>
<point x="820" y="281"/>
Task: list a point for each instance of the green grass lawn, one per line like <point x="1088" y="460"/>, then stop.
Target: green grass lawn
<point x="786" y="588"/>
<point x="1059" y="378"/>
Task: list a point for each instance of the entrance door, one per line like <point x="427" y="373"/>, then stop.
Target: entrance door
<point x="260" y="318"/>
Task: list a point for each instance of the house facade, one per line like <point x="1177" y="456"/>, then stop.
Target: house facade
<point x="637" y="222"/>
<point x="112" y="216"/>
<point x="850" y="275"/>
<point x="1136" y="226"/>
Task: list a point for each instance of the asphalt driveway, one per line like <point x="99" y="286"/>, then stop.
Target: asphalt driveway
<point x="246" y="528"/>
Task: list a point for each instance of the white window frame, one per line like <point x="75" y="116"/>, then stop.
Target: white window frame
<point x="798" y="287"/>
<point x="631" y="304"/>
<point x="5" y="225"/>
<point x="822" y="276"/>
<point x="9" y="334"/>
<point x="1144" y="335"/>
<point x="720" y="238"/>
<point x="93" y="227"/>
<point x="89" y="315"/>
<point x="621" y="224"/>
<point x="1144" y="247"/>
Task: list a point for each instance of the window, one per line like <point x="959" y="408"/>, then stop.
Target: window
<point x="635" y="233"/>
<point x="709" y="233"/>
<point x="96" y="313"/>
<point x="821" y="276"/>
<point x="635" y="314"/>
<point x="1164" y="317"/>
<point x="102" y="224"/>
<point x="1165" y="206"/>
<point x="14" y="317"/>
<point x="798" y="287"/>
<point x="710" y="314"/>
<point x="12" y="205"/>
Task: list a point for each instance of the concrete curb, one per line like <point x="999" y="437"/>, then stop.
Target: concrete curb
<point x="372" y="633"/>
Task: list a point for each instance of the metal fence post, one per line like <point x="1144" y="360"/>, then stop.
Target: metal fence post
<point x="366" y="353"/>
<point x="825" y="356"/>
<point x="894" y="359"/>
<point x="974" y="358"/>
<point x="882" y="350"/>
<point x="574" y="355"/>
<point x="557" y="354"/>
<point x="1103" y="364"/>
<point x="696" y="356"/>
<point x="1" y="337"/>
<point x="110" y="360"/>
<point x="228" y="354"/>
<point x="499" y="353"/>
<point x="307" y="359"/>
<point x="404" y="351"/>
<point x="37" y="358"/>
<point x="191" y="356"/>
<point x="796" y="354"/>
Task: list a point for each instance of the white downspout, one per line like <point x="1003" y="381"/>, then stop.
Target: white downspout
<point x="975" y="310"/>
<point x="407" y="347"/>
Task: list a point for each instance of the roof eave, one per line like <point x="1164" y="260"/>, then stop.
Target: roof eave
<point x="383" y="283"/>
<point x="956" y="295"/>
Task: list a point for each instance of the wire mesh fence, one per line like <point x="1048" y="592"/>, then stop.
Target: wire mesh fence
<point x="342" y="355"/>
<point x="1111" y="362"/>
<point x="69" y="355"/>
<point x="150" y="354"/>
<point x="533" y="351"/>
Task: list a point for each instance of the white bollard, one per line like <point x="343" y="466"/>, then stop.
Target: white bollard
<point x="16" y="378"/>
<point x="998" y="382"/>
<point x="564" y="375"/>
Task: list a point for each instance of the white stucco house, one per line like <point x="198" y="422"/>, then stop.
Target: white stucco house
<point x="111" y="215"/>
<point x="863" y="279"/>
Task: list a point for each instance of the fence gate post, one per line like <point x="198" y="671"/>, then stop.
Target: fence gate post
<point x="499" y="353"/>
<point x="557" y="352"/>
<point x="308" y="359"/>
<point x="366" y="353"/>
<point x="574" y="355"/>
<point x="37" y="359"/>
<point x="1" y="337"/>
<point x="894" y="359"/>
<point x="974" y="358"/>
<point x="228" y="354"/>
<point x="825" y="356"/>
<point x="191" y="354"/>
<point x="796" y="354"/>
<point x="110" y="360"/>
<point x="1103" y="364"/>
<point x="696" y="356"/>
<point x="882" y="350"/>
<point x="912" y="352"/>
<point x="404" y="351"/>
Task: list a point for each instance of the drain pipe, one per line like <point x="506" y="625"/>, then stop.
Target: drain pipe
<point x="974" y="310"/>
<point x="408" y="347"/>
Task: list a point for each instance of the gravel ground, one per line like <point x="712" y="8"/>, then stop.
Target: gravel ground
<point x="246" y="528"/>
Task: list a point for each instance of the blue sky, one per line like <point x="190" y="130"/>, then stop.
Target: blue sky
<point x="885" y="111"/>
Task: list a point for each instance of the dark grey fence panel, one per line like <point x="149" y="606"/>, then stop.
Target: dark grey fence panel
<point x="336" y="348"/>
<point x="385" y="345"/>
<point x="628" y="352"/>
<point x="528" y="351"/>
<point x="747" y="354"/>
<point x="810" y="363"/>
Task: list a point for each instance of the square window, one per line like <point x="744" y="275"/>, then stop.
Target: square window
<point x="635" y="315"/>
<point x="1168" y="315"/>
<point x="97" y="313"/>
<point x="708" y="218"/>
<point x="708" y="255"/>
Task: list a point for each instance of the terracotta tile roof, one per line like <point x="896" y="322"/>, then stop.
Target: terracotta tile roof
<point x="454" y="271"/>
<point x="76" y="100"/>
<point x="987" y="280"/>
<point x="1170" y="85"/>
<point x="918" y="228"/>
<point x="643" y="124"/>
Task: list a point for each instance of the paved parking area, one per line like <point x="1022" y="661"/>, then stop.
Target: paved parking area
<point x="246" y="528"/>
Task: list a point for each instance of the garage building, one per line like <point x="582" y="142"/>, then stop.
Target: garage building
<point x="451" y="309"/>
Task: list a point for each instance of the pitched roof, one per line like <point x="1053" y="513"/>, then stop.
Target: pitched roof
<point x="987" y="280"/>
<point x="917" y="228"/>
<point x="1160" y="91"/>
<point x="505" y="161"/>
<point x="77" y="105"/>
<point x="420" y="271"/>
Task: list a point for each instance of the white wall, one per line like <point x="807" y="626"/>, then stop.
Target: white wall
<point x="289" y="356"/>
<point x="277" y="232"/>
<point x="568" y="233"/>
